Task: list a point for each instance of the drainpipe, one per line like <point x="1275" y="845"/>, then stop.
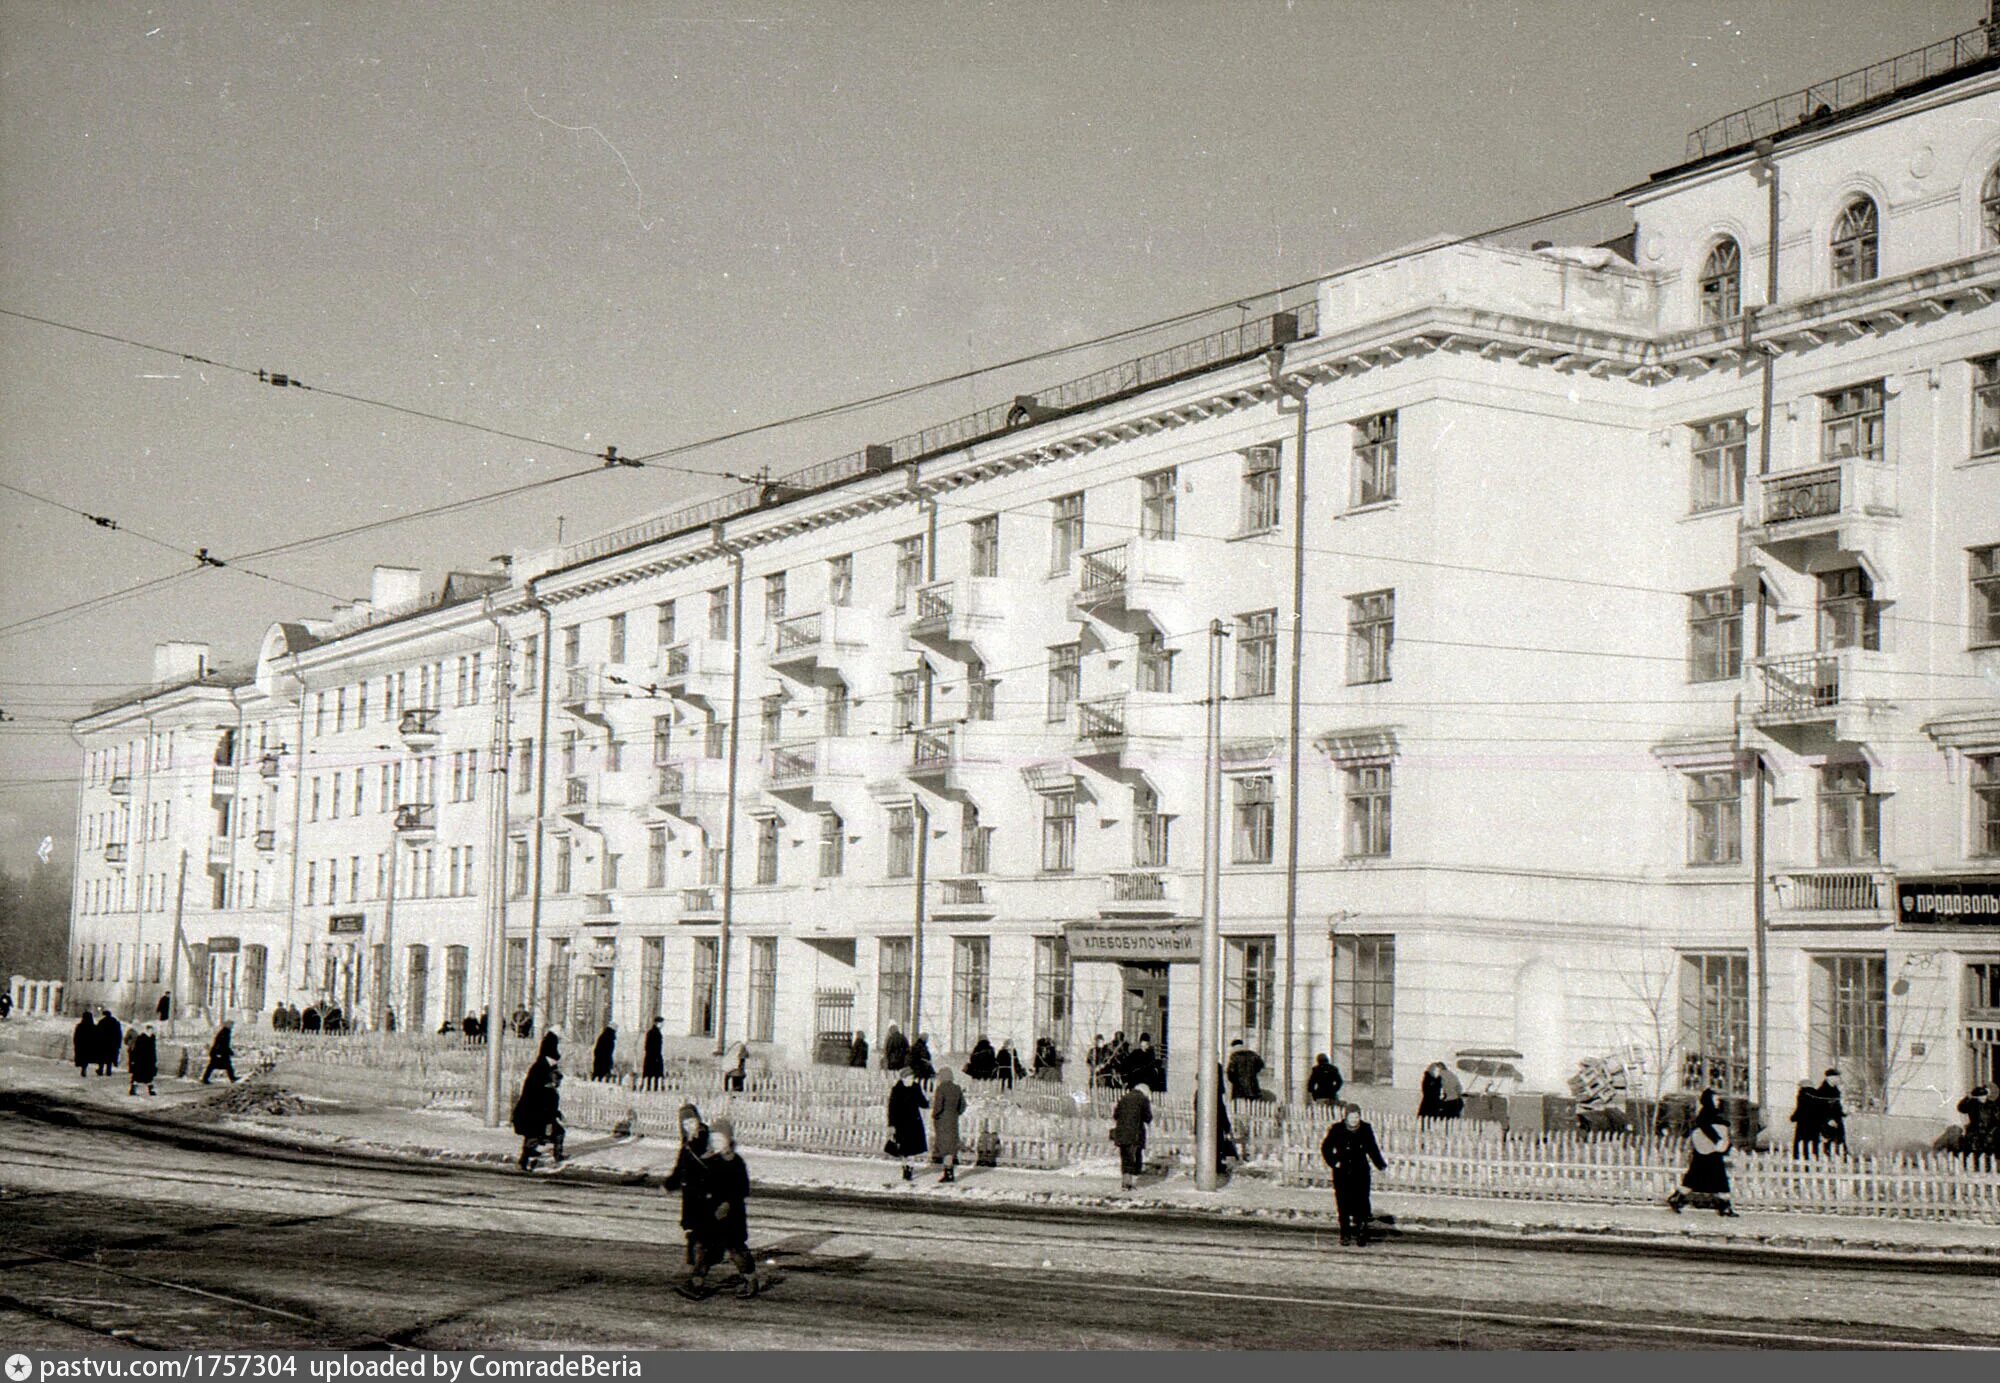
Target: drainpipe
<point x="921" y="819"/>
<point x="1293" y="392"/>
<point x="298" y="825"/>
<point x="496" y="865"/>
<point x="1759" y="904"/>
<point x="735" y="555"/>
<point x="145" y="836"/>
<point x="536" y="602"/>
<point x="76" y="878"/>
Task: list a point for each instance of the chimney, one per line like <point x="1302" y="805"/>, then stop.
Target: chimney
<point x="395" y="586"/>
<point x="179" y="662"/>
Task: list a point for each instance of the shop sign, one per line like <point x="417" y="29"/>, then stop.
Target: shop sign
<point x="223" y="945"/>
<point x="1966" y="901"/>
<point x="346" y="924"/>
<point x="1144" y="942"/>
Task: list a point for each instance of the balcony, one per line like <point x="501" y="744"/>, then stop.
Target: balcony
<point x="700" y="903"/>
<point x="692" y="790"/>
<point x="818" y="770"/>
<point x="590" y="692"/>
<point x="420" y="728"/>
<point x="1796" y="688"/>
<point x="952" y="615"/>
<point x="1141" y="576"/>
<point x="267" y="842"/>
<point x="1131" y="725"/>
<point x="120" y="786"/>
<point x="697" y="671"/>
<point x="804" y="644"/>
<point x="962" y="898"/>
<point x="1800" y="495"/>
<point x="221" y="850"/>
<point x="1143" y="892"/>
<point x="1834" y="890"/>
<point x="115" y="852"/>
<point x="600" y="908"/>
<point x="223" y="782"/>
<point x="416" y="822"/>
<point x="267" y="768"/>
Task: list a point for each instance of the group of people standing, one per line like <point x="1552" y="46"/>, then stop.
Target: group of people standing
<point x="1118" y="1065"/>
<point x="315" y="1017"/>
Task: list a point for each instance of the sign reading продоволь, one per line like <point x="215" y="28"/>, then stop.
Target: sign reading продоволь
<point x="1965" y="901"/>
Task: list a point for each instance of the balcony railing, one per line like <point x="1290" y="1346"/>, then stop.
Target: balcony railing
<point x="962" y="893"/>
<point x="120" y="786"/>
<point x="578" y="685"/>
<point x="1101" y="574"/>
<point x="1139" y="886"/>
<point x="220" y="850"/>
<point x="224" y="781"/>
<point x="1799" y="684"/>
<point x="674" y="664"/>
<point x="267" y="842"/>
<point x="799" y="632"/>
<point x="1802" y="495"/>
<point x="1844" y="890"/>
<point x="932" y="751"/>
<point x="416" y="819"/>
<point x="933" y="609"/>
<point x="114" y="852"/>
<point x="698" y="900"/>
<point x="419" y="726"/>
<point x="670" y="784"/>
<point x="267" y="766"/>
<point x="576" y="791"/>
<point x="1102" y="718"/>
<point x="789" y="766"/>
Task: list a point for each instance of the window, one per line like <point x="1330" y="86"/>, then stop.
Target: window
<point x="978" y="691"/>
<point x="663" y="739"/>
<point x="1850" y="816"/>
<point x="1720" y="447"/>
<point x="1257" y="654"/>
<point x="1156" y="504"/>
<point x="1986" y="805"/>
<point x="1368" y="794"/>
<point x="715" y="739"/>
<point x="1986" y="406"/>
<point x="667" y="622"/>
<point x="1065" y="679"/>
<point x="1722" y="283"/>
<point x="564" y="862"/>
<point x="832" y="845"/>
<point x="572" y="650"/>
<point x="1260" y="489"/>
<point x="1156" y="663"/>
<point x="1986" y="595"/>
<point x="1848" y="614"/>
<point x="1856" y="243"/>
<point x="1052" y="990"/>
<point x="1364" y="1008"/>
<point x="909" y="569"/>
<point x="1375" y="459"/>
<point x="718" y="613"/>
<point x="767" y="850"/>
<point x="971" y="987"/>
<point x="840" y="579"/>
<point x="902" y="842"/>
<point x="333" y="800"/>
<point x="907" y="710"/>
<point x="763" y="986"/>
<point x="1715" y="817"/>
<point x="771" y="718"/>
<point x="774" y="597"/>
<point x="974" y="841"/>
<point x="1371" y="629"/>
<point x="1989" y="210"/>
<point x="614" y="647"/>
<point x="986" y="546"/>
<point x="1254" y="819"/>
<point x="1851" y="423"/>
<point x="835" y="706"/>
<point x="569" y="743"/>
<point x="701" y="991"/>
<point x="1715" y="1023"/>
<point x="1065" y="531"/>
<point x="1058" y="832"/>
<point x="1249" y="987"/>
<point x="1715" y="634"/>
<point x="656" y="857"/>
<point x="1850" y="1028"/>
<point x="1152" y="831"/>
<point x="892" y="983"/>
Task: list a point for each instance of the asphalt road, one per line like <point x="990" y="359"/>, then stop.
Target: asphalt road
<point x="117" y="1236"/>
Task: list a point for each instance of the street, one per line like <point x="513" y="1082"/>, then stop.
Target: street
<point x="116" y="1236"/>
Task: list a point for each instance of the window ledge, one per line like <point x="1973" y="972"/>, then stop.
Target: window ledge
<point x="1352" y="510"/>
<point x="1250" y="534"/>
<point x="1983" y="458"/>
<point x="1693" y="515"/>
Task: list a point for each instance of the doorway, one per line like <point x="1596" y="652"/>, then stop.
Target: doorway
<point x="1145" y="1009"/>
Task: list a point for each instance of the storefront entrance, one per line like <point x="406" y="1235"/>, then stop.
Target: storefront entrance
<point x="1145" y="1008"/>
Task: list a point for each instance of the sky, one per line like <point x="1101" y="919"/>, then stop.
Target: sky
<point x="643" y="225"/>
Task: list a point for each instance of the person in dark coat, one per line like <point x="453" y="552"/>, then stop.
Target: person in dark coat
<point x="1007" y="1065"/>
<point x="143" y="1065"/>
<point x="1982" y="1122"/>
<point x="947" y="1104"/>
<point x="551" y="1046"/>
<point x="920" y="1063"/>
<point x="602" y="1054"/>
<point x="1048" y="1061"/>
<point x="653" y="1068"/>
<point x="980" y="1064"/>
<point x="309" y="1021"/>
<point x="1323" y="1082"/>
<point x="895" y="1049"/>
<point x="221" y="1055"/>
<point x="906" y="1120"/>
<point x="1128" y="1131"/>
<point x="724" y="1230"/>
<point x="1706" y="1181"/>
<point x="857" y="1052"/>
<point x="110" y="1042"/>
<point x="1244" y="1068"/>
<point x="1351" y="1151"/>
<point x="83" y="1044"/>
<point x="1430" y="1092"/>
<point x="1142" y="1065"/>
<point x="1832" y="1111"/>
<point x="538" y="1111"/>
<point x="332" y="1020"/>
<point x="1808" y="1120"/>
<point x="164" y="1010"/>
<point x="690" y="1174"/>
<point x="1225" y="1145"/>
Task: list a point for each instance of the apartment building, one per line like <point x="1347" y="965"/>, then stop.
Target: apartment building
<point x="1609" y="647"/>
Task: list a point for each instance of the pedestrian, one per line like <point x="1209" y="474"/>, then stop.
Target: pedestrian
<point x="468" y="1028"/>
<point x="1048" y="1061"/>
<point x="920" y="1063"/>
<point x="6" y="1005"/>
<point x="1323" y="1082"/>
<point x="980" y="1064"/>
<point x="1142" y="1065"/>
<point x="538" y="1110"/>
<point x="653" y="1068"/>
<point x="309" y="1021"/>
<point x="906" y="1120"/>
<point x="221" y="1056"/>
<point x="1353" y="1155"/>
<point x="110" y="1042"/>
<point x="1832" y="1111"/>
<point x="725" y="1226"/>
<point x="1808" y="1121"/>
<point x="1706" y="1180"/>
<point x="551" y="1046"/>
<point x="738" y="1075"/>
<point x="1128" y="1131"/>
<point x="83" y="1044"/>
<point x="292" y="1018"/>
<point x="1244" y="1068"/>
<point x="690" y="1173"/>
<point x="895" y="1049"/>
<point x="388" y="1020"/>
<point x="857" y="1052"/>
<point x="1982" y="1122"/>
<point x="1225" y="1145"/>
<point x="947" y="1103"/>
<point x="1007" y="1065"/>
<point x="164" y="1010"/>
<point x="333" y="1020"/>
<point x="143" y="1065"/>
<point x="602" y="1053"/>
<point x="1440" y="1094"/>
<point x="524" y="1023"/>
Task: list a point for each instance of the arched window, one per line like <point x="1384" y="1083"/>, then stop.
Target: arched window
<point x="1856" y="241"/>
<point x="1989" y="210"/>
<point x="1722" y="283"/>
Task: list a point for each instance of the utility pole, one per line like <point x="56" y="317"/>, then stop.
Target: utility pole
<point x="496" y="872"/>
<point x="1208" y="1041"/>
<point x="180" y="905"/>
<point x="921" y="819"/>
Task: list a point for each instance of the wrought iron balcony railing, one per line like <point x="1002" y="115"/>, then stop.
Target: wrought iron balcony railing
<point x="799" y="633"/>
<point x="416" y="819"/>
<point x="115" y="852"/>
<point x="120" y="786"/>
<point x="1798" y="683"/>
<point x="1101" y="574"/>
<point x="698" y="900"/>
<point x="791" y="765"/>
<point x="1139" y="886"/>
<point x="268" y="766"/>
<point x="1813" y="494"/>
<point x="224" y="781"/>
<point x="1835" y="890"/>
<point x="670" y="784"/>
<point x="962" y="893"/>
<point x="1101" y="718"/>
<point x="267" y="842"/>
<point x="932" y="750"/>
<point x="419" y="725"/>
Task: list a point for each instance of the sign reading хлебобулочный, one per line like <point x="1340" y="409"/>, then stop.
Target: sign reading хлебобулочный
<point x="1149" y="942"/>
<point x="1971" y="900"/>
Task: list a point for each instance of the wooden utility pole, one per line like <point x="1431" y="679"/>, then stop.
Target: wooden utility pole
<point x="1209" y="1037"/>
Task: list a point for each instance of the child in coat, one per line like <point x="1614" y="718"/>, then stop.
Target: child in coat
<point x="724" y="1226"/>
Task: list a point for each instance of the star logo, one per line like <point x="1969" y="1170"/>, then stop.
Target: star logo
<point x="19" y="1366"/>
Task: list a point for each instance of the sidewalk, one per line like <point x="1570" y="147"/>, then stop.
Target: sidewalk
<point x="458" y="1137"/>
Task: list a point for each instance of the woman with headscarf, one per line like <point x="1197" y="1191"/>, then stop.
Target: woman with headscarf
<point x="920" y="1063"/>
<point x="1706" y="1181"/>
<point x="947" y="1104"/>
<point x="690" y="1173"/>
<point x="906" y="1120"/>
